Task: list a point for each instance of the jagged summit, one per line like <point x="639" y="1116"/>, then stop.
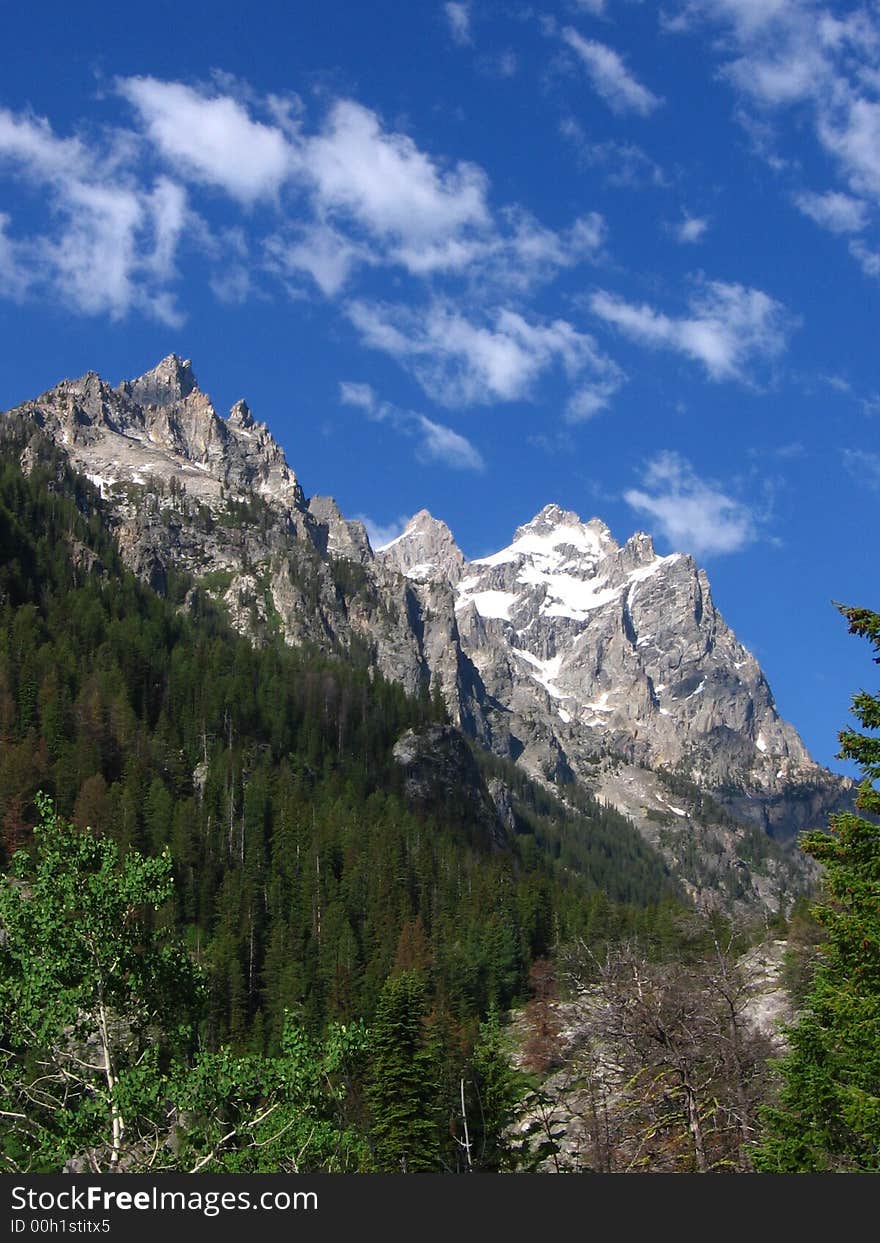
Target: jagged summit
<point x="419" y="523"/>
<point x="241" y="416"/>
<point x="554" y="520"/>
<point x="160" y="432"/>
<point x="589" y="643"/>
<point x="553" y="537"/>
<point x="170" y="381"/>
<point x="425" y="549"/>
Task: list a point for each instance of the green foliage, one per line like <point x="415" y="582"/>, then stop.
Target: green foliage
<point x="584" y="839"/>
<point x="497" y="1091"/>
<point x="292" y="1113"/>
<point x="403" y="1080"/>
<point x="828" y="1115"/>
<point x="94" y="995"/>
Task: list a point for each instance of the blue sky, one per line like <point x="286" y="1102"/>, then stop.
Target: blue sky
<point x="480" y="256"/>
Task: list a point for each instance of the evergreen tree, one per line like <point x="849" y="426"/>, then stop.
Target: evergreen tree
<point x="498" y="1090"/>
<point x="403" y="1087"/>
<point x="828" y="1115"/>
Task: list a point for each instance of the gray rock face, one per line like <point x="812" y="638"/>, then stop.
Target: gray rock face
<point x="338" y="537"/>
<point x="621" y="646"/>
<point x="170" y="381"/>
<point x="597" y="649"/>
<point x="163" y="430"/>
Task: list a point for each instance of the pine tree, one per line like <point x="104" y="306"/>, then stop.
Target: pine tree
<point x="403" y="1086"/>
<point x="828" y="1115"/>
<point x="498" y="1090"/>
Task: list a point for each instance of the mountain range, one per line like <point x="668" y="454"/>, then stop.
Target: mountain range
<point x="585" y="661"/>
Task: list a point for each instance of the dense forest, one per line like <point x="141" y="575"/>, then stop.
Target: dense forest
<point x="221" y="884"/>
<point x="303" y="877"/>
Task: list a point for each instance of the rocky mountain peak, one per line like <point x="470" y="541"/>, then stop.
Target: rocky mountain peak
<point x="556" y="522"/>
<point x="170" y="381"/>
<point x="556" y="538"/>
<point x="425" y="549"/>
<point x="638" y="551"/>
<point x="160" y="434"/>
<point x="560" y="649"/>
<point x="240" y="415"/>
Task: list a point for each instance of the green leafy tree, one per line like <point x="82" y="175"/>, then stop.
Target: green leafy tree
<point x="828" y="1114"/>
<point x="95" y="998"/>
<point x="295" y="1113"/>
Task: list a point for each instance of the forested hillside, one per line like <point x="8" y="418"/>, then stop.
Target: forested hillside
<point x="266" y="912"/>
<point x="303" y="874"/>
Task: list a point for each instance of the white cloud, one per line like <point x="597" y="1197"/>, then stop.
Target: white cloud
<point x="442" y="444"/>
<point x="168" y="211"/>
<point x="320" y="251"/>
<point x="592" y="398"/>
<point x="110" y="244"/>
<point x="839" y="213"/>
<point x="459" y="362"/>
<point x="13" y="272"/>
<point x="594" y="7"/>
<point x="436" y="441"/>
<point x="816" y="65"/>
<point x="347" y="195"/>
<point x="690" y="514"/>
<point x="623" y="164"/>
<point x="782" y="76"/>
<point x="354" y="393"/>
<point x="851" y="133"/>
<point x="690" y="229"/>
<point x="609" y="76"/>
<point x="352" y="167"/>
<point x="458" y="18"/>
<point x="387" y="184"/>
<point x="729" y="326"/>
<point x="31" y="143"/>
<point x="863" y="466"/>
<point x="212" y="139"/>
<point x="95" y="256"/>
<point x="518" y="254"/>
<point x="868" y="260"/>
<point x="232" y="284"/>
<point x="501" y="64"/>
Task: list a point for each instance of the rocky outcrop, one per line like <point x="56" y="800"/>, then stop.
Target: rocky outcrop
<point x="337" y="537"/>
<point x="425" y="551"/>
<point x="440" y="771"/>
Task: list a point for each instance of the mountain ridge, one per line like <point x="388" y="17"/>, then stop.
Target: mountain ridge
<point x="578" y="657"/>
